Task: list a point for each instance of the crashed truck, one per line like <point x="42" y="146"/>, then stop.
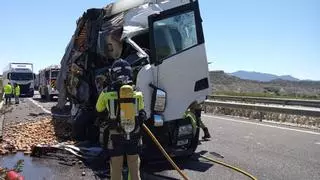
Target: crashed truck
<point x="47" y="82"/>
<point x="164" y="43"/>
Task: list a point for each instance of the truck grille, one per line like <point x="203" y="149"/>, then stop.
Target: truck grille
<point x="24" y="88"/>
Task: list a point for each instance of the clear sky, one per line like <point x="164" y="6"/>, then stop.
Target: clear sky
<point x="271" y="36"/>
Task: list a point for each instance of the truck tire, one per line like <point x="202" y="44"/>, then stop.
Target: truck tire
<point x="82" y="125"/>
<point x="41" y="93"/>
<point x="195" y="140"/>
<point x="31" y="94"/>
<point x="47" y="96"/>
<point x="51" y="97"/>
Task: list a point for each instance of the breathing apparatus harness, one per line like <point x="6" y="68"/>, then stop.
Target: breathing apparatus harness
<point x="125" y="113"/>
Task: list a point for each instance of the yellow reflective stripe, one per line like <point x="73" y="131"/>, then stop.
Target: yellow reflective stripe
<point x="136" y="106"/>
<point x="112" y="109"/>
<point x="53" y="83"/>
<point x="101" y="104"/>
<point x="139" y="96"/>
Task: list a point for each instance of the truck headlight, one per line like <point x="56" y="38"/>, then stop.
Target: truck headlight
<point x="185" y="130"/>
<point x="160" y="101"/>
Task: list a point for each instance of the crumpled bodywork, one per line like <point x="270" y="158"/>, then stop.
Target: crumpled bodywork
<point x="97" y="41"/>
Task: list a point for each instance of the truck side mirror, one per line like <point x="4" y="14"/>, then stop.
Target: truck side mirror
<point x="8" y="75"/>
<point x="34" y="76"/>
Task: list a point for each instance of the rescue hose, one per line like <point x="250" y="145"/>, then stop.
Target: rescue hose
<point x="154" y="139"/>
<point x="230" y="166"/>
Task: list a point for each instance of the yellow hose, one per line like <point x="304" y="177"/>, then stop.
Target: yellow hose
<point x="154" y="139"/>
<point x="229" y="166"/>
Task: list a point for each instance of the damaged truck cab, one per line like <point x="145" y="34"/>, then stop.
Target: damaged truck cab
<point x="164" y="43"/>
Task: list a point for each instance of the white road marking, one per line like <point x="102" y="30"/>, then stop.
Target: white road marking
<point x="318" y="143"/>
<point x="37" y="104"/>
<point x="248" y="137"/>
<point x="265" y="125"/>
<point x="1" y="104"/>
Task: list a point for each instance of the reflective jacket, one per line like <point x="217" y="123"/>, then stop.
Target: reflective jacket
<point x="17" y="90"/>
<point x="106" y="101"/>
<point x="8" y="89"/>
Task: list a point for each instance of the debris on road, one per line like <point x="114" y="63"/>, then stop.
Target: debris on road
<point x="23" y="136"/>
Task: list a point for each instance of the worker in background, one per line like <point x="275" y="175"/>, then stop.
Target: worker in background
<point x="16" y="92"/>
<point x="125" y="111"/>
<point x="197" y="108"/>
<point x="205" y="131"/>
<point x="8" y="92"/>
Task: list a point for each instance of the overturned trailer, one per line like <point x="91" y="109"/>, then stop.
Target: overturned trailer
<point x="164" y="43"/>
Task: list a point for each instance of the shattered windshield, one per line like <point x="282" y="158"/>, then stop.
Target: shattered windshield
<point x="175" y="34"/>
<point x="21" y="76"/>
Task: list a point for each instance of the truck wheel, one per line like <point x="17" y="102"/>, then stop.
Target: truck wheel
<point x="31" y="94"/>
<point x="195" y="139"/>
<point x="81" y="125"/>
<point x="47" y="95"/>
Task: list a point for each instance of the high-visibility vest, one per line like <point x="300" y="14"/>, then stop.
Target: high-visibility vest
<point x="17" y="90"/>
<point x="8" y="89"/>
<point x="123" y="111"/>
<point x="107" y="101"/>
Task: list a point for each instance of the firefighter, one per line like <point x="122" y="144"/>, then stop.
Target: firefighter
<point x="8" y="92"/>
<point x="125" y="115"/>
<point x="16" y="93"/>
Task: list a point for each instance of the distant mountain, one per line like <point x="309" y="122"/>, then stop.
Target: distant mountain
<point x="264" y="77"/>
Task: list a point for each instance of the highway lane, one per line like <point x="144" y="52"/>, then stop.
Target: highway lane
<point x="266" y="151"/>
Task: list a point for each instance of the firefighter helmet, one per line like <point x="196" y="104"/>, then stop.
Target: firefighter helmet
<point x="121" y="72"/>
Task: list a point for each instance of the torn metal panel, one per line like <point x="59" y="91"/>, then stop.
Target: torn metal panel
<point x="136" y="20"/>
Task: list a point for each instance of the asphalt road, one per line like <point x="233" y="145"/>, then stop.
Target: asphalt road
<point x="266" y="151"/>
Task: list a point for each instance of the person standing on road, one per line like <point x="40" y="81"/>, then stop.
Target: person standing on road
<point x="8" y="93"/>
<point x="205" y="130"/>
<point x="16" y="92"/>
<point x="197" y="108"/>
<point x="125" y="109"/>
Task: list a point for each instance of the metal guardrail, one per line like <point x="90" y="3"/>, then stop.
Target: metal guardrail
<point x="263" y="108"/>
<point x="266" y="100"/>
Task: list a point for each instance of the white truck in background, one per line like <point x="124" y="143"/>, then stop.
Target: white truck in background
<point x="47" y="82"/>
<point x="21" y="74"/>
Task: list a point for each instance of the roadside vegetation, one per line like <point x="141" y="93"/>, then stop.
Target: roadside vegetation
<point x="226" y="84"/>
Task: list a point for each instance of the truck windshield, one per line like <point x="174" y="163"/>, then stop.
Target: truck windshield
<point x="21" y="76"/>
<point x="54" y="74"/>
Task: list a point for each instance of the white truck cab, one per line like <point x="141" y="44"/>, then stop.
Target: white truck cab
<point x="164" y="43"/>
<point x="22" y="75"/>
<point x="178" y="74"/>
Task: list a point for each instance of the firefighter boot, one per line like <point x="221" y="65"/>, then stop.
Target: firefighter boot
<point x="206" y="133"/>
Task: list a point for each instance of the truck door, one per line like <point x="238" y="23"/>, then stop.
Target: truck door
<point x="178" y="53"/>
